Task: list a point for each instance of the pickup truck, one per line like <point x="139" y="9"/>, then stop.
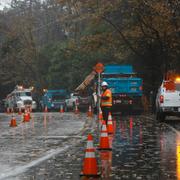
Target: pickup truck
<point x="71" y="101"/>
<point x="54" y="99"/>
<point x="168" y="99"/>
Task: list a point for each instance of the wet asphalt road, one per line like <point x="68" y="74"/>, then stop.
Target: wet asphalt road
<point x="51" y="146"/>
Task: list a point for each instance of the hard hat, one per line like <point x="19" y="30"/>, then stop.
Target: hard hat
<point x="104" y="83"/>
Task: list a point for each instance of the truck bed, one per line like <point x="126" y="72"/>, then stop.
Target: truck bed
<point x="125" y="85"/>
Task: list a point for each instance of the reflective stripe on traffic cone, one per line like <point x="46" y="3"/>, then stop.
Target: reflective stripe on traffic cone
<point x="104" y="140"/>
<point x="61" y="109"/>
<point x="110" y="125"/>
<point x="89" y="113"/>
<point x="90" y="167"/>
<point x="13" y="122"/>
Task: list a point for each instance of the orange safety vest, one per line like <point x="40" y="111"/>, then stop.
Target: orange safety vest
<point x="107" y="102"/>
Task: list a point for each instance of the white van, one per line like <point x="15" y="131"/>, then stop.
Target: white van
<point x="168" y="99"/>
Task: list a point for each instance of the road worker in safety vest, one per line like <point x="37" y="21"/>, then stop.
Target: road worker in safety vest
<point x="106" y="101"/>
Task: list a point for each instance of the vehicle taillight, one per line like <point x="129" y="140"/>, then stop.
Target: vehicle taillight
<point x="161" y="98"/>
<point x="140" y="88"/>
<point x="130" y="101"/>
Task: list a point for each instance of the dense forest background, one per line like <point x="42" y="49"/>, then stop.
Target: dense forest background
<point x="55" y="43"/>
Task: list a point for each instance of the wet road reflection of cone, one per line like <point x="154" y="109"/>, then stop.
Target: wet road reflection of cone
<point x="45" y="109"/>
<point x="90" y="168"/>
<point x="110" y="127"/>
<point x="61" y="109"/>
<point x="106" y="163"/>
<point x="89" y="113"/>
<point x="13" y="121"/>
<point x="104" y="139"/>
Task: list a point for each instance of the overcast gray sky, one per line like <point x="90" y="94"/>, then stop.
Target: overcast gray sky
<point x="4" y="3"/>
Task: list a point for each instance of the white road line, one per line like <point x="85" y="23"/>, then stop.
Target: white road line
<point x="14" y="171"/>
<point x="21" y="169"/>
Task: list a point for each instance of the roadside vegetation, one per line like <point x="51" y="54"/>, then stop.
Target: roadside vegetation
<point x="55" y="43"/>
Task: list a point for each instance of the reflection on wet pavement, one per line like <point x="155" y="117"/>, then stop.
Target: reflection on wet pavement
<point x="142" y="148"/>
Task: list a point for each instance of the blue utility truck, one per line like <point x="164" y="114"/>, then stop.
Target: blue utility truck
<point x="126" y="87"/>
<point x="54" y="99"/>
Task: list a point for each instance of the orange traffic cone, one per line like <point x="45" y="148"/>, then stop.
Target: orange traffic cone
<point x="26" y="116"/>
<point x="76" y="109"/>
<point x="104" y="140"/>
<point x="45" y="109"/>
<point x="13" y="122"/>
<point x="19" y="112"/>
<point x="61" y="109"/>
<point x="89" y="113"/>
<point x="90" y="168"/>
<point x="8" y="110"/>
<point x="110" y="124"/>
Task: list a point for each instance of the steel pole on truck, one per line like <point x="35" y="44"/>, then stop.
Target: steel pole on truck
<point x="99" y="68"/>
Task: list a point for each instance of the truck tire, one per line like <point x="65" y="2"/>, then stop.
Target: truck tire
<point x="160" y="116"/>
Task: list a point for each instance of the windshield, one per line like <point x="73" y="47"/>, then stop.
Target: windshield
<point x="24" y="94"/>
<point x="58" y="97"/>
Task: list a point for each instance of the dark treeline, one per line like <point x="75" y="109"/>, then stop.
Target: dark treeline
<point x="55" y="43"/>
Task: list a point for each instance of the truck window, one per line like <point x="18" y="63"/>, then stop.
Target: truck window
<point x="25" y="94"/>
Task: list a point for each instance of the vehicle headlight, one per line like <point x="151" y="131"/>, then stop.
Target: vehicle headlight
<point x="34" y="102"/>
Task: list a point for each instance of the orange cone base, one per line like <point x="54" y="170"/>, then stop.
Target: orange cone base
<point x="110" y="132"/>
<point x="91" y="175"/>
<point x="26" y="119"/>
<point x="13" y="123"/>
<point x="107" y="149"/>
<point x="89" y="114"/>
<point x="77" y="112"/>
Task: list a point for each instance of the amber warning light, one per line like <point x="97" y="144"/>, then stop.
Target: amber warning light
<point x="177" y="79"/>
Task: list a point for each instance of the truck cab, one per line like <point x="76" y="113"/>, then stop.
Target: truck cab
<point x="168" y="99"/>
<point x="54" y="99"/>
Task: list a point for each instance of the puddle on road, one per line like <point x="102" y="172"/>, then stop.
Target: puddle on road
<point x="144" y="149"/>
